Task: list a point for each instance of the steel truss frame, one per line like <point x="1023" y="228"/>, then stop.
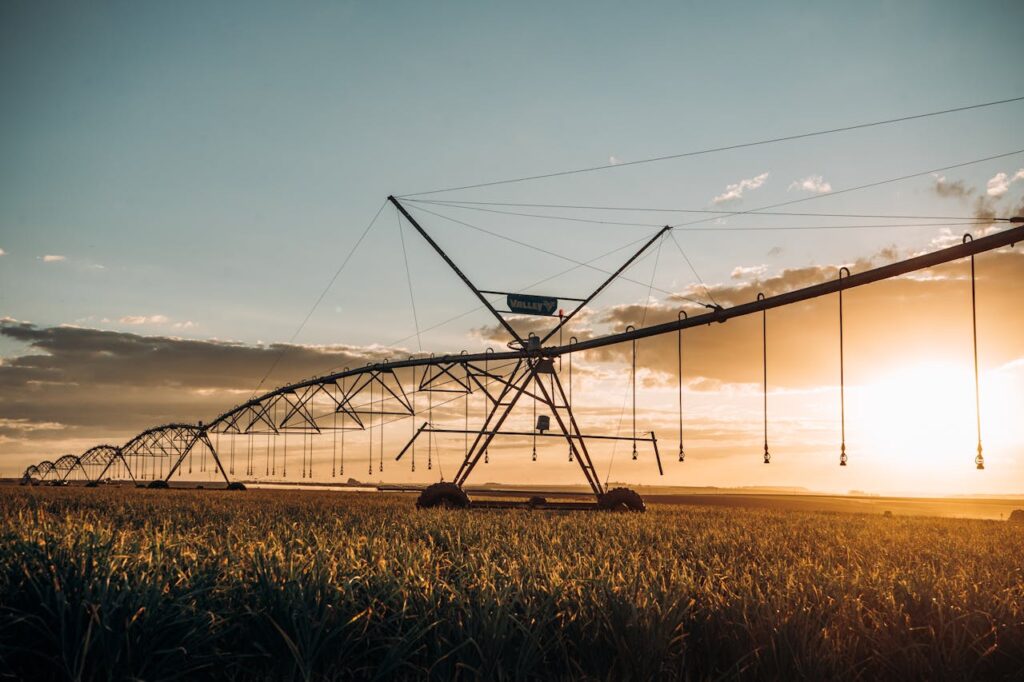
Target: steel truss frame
<point x="313" y="404"/>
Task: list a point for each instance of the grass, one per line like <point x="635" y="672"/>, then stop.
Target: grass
<point x="110" y="584"/>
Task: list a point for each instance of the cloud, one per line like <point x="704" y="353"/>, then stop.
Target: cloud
<point x="187" y="324"/>
<point x="812" y="183"/>
<point x="2" y="252"/>
<point x="986" y="205"/>
<point x="614" y="160"/>
<point x="144" y="319"/>
<point x="67" y="388"/>
<point x="109" y="384"/>
<point x="957" y="189"/>
<point x="735" y="191"/>
<point x="743" y="272"/>
<point x="1000" y="183"/>
<point x="886" y="320"/>
<point x="52" y="258"/>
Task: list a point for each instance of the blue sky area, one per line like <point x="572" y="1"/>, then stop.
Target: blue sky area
<point x="204" y="167"/>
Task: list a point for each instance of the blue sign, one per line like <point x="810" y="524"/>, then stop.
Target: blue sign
<point x="524" y="304"/>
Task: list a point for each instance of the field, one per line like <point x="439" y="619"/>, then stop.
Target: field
<point x="108" y="583"/>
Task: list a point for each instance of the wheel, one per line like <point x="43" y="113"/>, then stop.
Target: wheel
<point x="92" y="484"/>
<point x="158" y="484"/>
<point x="622" y="499"/>
<point x="236" y="485"/>
<point x="446" y="495"/>
<point x="536" y="501"/>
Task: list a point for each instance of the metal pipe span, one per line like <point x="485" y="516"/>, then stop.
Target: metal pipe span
<point x="994" y="241"/>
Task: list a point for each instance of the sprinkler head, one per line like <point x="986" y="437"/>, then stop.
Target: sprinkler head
<point x="842" y="456"/>
<point x="979" y="461"/>
<point x="682" y="455"/>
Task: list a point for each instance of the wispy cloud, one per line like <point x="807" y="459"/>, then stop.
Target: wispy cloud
<point x="53" y="258"/>
<point x="812" y="183"/>
<point x="999" y="184"/>
<point x="945" y="188"/>
<point x="144" y="319"/>
<point x="614" y="160"/>
<point x="734" y="192"/>
<point x="2" y="252"/>
<point x="742" y="271"/>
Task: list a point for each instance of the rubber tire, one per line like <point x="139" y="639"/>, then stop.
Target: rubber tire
<point x="92" y="484"/>
<point x="446" y="495"/>
<point x="536" y="501"/>
<point x="622" y="499"/>
<point x="158" y="484"/>
<point x="236" y="485"/>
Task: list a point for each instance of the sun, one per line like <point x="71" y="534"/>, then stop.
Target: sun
<point x="920" y="419"/>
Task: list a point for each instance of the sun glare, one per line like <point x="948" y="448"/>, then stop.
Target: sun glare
<point x="924" y="414"/>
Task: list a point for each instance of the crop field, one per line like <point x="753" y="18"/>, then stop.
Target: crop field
<point x="109" y="583"/>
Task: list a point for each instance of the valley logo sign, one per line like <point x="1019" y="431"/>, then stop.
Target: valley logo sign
<point x="524" y="304"/>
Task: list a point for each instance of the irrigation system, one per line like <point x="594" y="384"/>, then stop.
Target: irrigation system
<point x="529" y="372"/>
<point x="530" y="368"/>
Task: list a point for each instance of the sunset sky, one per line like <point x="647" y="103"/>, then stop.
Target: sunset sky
<point x="180" y="182"/>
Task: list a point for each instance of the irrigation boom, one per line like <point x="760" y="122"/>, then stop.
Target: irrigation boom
<point x="314" y="405"/>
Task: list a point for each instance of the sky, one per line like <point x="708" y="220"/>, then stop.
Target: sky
<point x="180" y="183"/>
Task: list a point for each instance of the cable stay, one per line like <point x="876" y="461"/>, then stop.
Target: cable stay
<point x="947" y="221"/>
<point x="458" y="203"/>
<point x="712" y="150"/>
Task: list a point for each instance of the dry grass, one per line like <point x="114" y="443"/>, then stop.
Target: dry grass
<point x="98" y="584"/>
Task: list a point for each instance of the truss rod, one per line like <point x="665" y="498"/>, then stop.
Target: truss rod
<point x="546" y="434"/>
<point x="455" y="268"/>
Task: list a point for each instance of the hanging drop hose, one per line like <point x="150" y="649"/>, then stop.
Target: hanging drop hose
<point x="465" y="423"/>
<point x="682" y="316"/>
<point x="334" y="443"/>
<point x="412" y="402"/>
<point x="572" y="341"/>
<point x="430" y="420"/>
<point x="380" y="454"/>
<point x="344" y="393"/>
<point x="632" y="381"/>
<point x="534" y="426"/>
<point x="487" y="392"/>
<point x="979" y="460"/>
<point x="842" y="376"/>
<point x="369" y="435"/>
<point x="764" y="375"/>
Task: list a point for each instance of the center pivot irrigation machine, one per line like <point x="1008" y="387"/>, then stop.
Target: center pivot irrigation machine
<point x="530" y="368"/>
